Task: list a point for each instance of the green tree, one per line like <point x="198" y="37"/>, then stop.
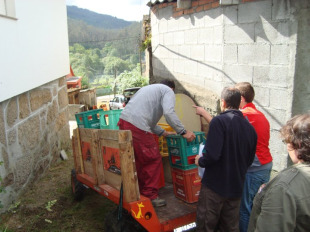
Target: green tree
<point x="113" y="64"/>
<point x="129" y="79"/>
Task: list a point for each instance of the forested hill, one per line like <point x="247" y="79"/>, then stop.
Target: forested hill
<point x="95" y="19"/>
<point x="93" y="30"/>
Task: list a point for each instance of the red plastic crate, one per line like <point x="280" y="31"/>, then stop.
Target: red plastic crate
<point x="186" y="184"/>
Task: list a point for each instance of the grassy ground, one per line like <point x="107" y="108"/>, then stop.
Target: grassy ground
<point x="48" y="205"/>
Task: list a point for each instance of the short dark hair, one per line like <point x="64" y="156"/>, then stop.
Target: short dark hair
<point x="246" y="90"/>
<point x="168" y="82"/>
<point x="297" y="133"/>
<point x="232" y="97"/>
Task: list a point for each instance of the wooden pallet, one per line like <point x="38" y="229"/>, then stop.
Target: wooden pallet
<point x="90" y="149"/>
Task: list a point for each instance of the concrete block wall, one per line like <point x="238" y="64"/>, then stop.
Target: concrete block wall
<point x="34" y="129"/>
<point x="210" y="46"/>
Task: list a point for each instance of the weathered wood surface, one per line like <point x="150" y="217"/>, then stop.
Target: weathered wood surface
<point x="91" y="161"/>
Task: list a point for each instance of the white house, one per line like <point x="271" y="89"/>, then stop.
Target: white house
<point x="34" y="59"/>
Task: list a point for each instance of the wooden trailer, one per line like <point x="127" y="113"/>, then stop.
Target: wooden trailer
<point x="104" y="161"/>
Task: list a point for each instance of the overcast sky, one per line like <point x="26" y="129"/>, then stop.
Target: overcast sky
<point x="129" y="10"/>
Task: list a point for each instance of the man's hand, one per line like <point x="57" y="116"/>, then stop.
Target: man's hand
<point x="189" y="136"/>
<point x="202" y="112"/>
<point x="168" y="133"/>
<point x="196" y="159"/>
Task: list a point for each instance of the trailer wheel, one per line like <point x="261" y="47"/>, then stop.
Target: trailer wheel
<point x="76" y="187"/>
<point x="125" y="224"/>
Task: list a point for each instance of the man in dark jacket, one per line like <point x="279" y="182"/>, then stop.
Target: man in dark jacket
<point x="229" y="151"/>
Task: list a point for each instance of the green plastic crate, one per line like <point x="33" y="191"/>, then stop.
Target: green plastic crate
<point x="182" y="153"/>
<point x="109" y="119"/>
<point x="89" y="119"/>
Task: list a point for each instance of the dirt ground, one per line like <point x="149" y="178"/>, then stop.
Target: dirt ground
<point x="48" y="205"/>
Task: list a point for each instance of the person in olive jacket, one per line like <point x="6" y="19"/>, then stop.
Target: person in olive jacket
<point x="284" y="203"/>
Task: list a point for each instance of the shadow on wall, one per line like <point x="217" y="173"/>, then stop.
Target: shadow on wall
<point x="255" y="29"/>
<point x="199" y="93"/>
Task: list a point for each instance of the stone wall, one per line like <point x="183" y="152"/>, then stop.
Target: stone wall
<point x="264" y="42"/>
<point x="34" y="129"/>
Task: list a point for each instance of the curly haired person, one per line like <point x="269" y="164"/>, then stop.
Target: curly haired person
<point x="284" y="203"/>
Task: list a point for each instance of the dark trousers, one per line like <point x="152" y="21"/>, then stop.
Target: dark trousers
<point x="216" y="213"/>
<point x="147" y="158"/>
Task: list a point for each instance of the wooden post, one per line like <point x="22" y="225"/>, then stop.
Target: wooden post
<point x="79" y="151"/>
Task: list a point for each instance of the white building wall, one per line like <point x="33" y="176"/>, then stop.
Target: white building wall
<point x="254" y="42"/>
<point x="38" y="24"/>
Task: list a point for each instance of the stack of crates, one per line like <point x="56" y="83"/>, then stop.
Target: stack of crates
<point x="89" y="119"/>
<point x="109" y="119"/>
<point x="186" y="181"/>
<point x="162" y="142"/>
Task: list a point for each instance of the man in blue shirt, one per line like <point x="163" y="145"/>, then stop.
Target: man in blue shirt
<point x="229" y="151"/>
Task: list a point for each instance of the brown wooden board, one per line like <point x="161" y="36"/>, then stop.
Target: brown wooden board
<point x="96" y="149"/>
<point x="87" y="152"/>
<point x="78" y="155"/>
<point x="186" y="113"/>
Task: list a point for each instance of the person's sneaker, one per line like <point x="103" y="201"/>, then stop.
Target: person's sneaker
<point x="157" y="202"/>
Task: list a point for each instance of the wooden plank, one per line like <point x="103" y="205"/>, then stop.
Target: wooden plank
<point x="94" y="155"/>
<point x="77" y="161"/>
<point x="113" y="179"/>
<point x="79" y="153"/>
<point x="109" y="143"/>
<point x="129" y="173"/>
<point x="186" y="113"/>
<point x="98" y="158"/>
<point x="86" y="151"/>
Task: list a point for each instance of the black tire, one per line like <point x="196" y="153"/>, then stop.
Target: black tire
<point x="77" y="187"/>
<point x="125" y="224"/>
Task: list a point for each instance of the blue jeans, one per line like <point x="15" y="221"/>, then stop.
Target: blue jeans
<point x="253" y="181"/>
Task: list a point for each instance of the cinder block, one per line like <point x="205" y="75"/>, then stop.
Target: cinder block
<point x="218" y="35"/>
<point x="254" y="54"/>
<point x="280" y="98"/>
<point x="252" y="12"/>
<point x="280" y="54"/>
<point x="240" y="34"/>
<point x="169" y="64"/>
<point x="275" y="33"/>
<point x="190" y="67"/>
<point x="231" y="15"/>
<point x="214" y="17"/>
<point x="197" y="52"/>
<point x="238" y="73"/>
<point x="280" y="9"/>
<point x="179" y="37"/>
<point x="210" y="70"/>
<point x="230" y="54"/>
<point x="178" y="66"/>
<point x="273" y="75"/>
<point x="184" y="23"/>
<point x="198" y="20"/>
<point x="276" y="118"/>
<point x="173" y="52"/>
<point x="173" y="25"/>
<point x="163" y="26"/>
<point x="184" y="52"/>
<point x="262" y="96"/>
<point x="166" y="12"/>
<point x="213" y="53"/>
<point x="191" y="37"/>
<point x="205" y="35"/>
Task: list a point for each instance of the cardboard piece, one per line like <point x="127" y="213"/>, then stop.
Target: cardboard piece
<point x="186" y="113"/>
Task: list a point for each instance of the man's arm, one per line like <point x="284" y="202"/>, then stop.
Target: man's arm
<point x="202" y="112"/>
